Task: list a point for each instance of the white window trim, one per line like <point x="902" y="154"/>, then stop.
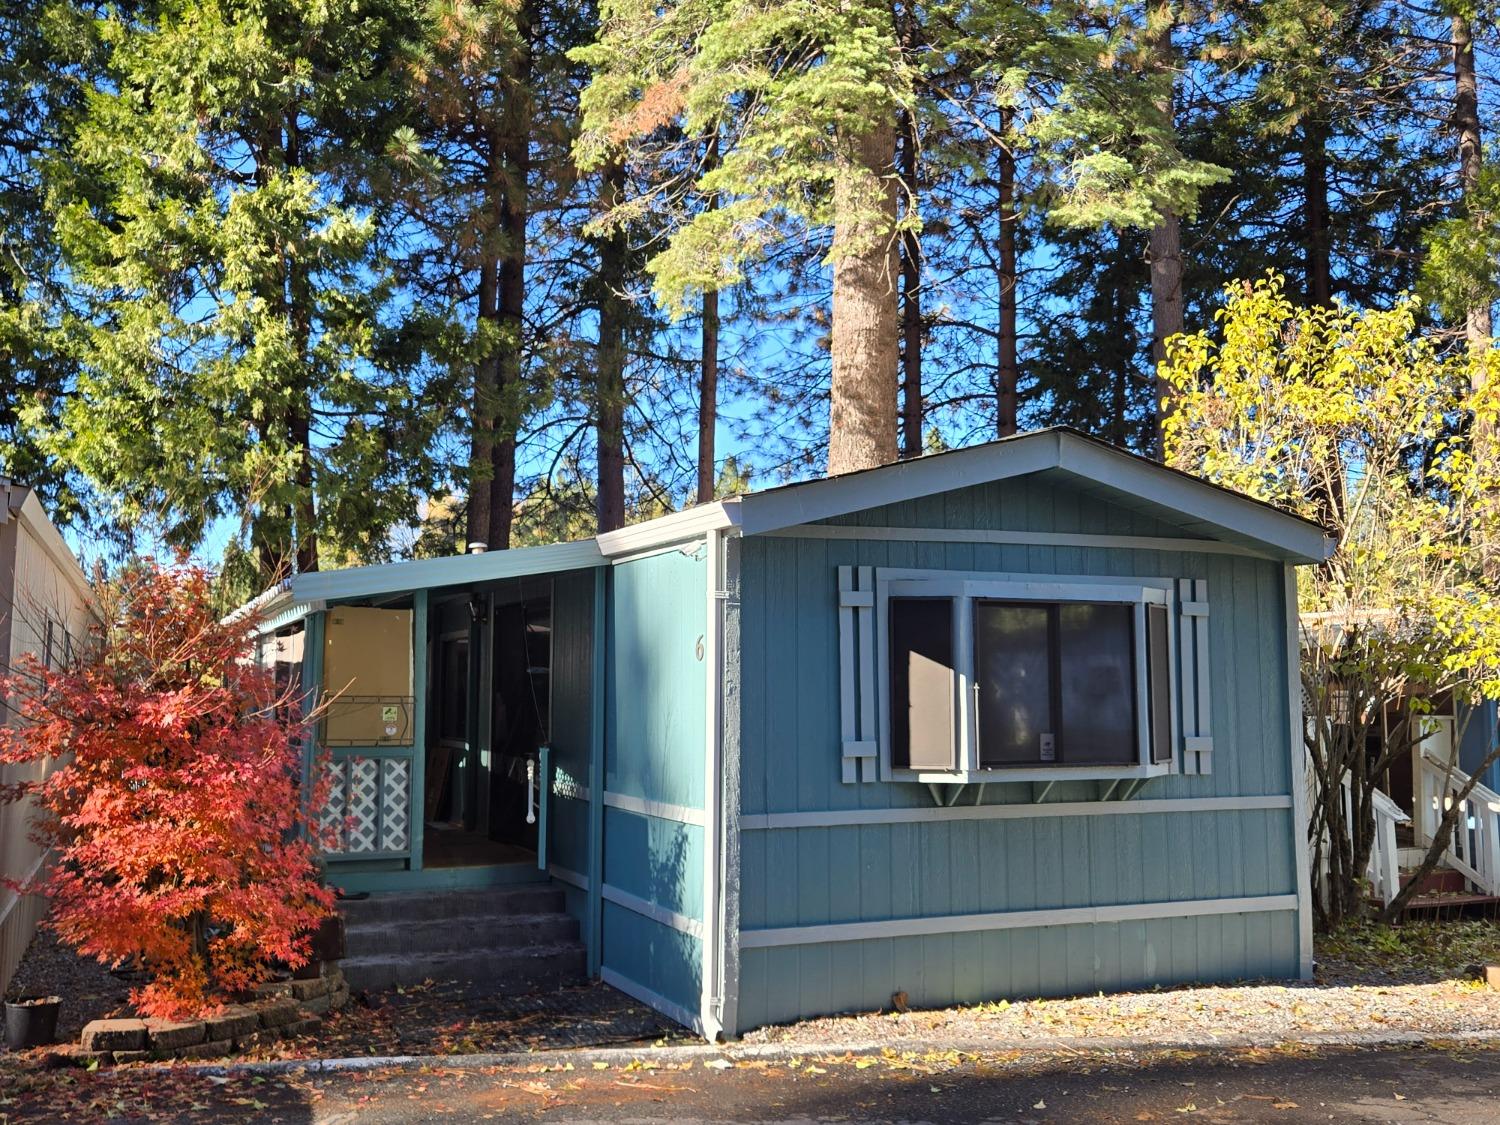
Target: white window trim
<point x="965" y="586"/>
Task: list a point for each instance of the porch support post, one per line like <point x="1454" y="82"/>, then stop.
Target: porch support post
<point x="1299" y="775"/>
<point x="312" y="693"/>
<point x="419" y="725"/>
<point x="598" y="689"/>
<point x="482" y="667"/>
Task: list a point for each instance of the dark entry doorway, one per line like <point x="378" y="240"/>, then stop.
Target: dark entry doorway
<point x="521" y="715"/>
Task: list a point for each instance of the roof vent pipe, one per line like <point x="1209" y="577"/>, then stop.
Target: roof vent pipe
<point x="478" y="548"/>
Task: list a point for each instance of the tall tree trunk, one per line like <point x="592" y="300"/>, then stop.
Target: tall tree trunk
<point x="1470" y="150"/>
<point x="911" y="302"/>
<point x="1164" y="254"/>
<point x="300" y="298"/>
<point x="1007" y="365"/>
<point x="511" y="295"/>
<point x="610" y="362"/>
<point x="862" y="407"/>
<point x="484" y="402"/>
<point x="1478" y="326"/>
<point x="1317" y="238"/>
<point x="708" y="397"/>
<point x="306" y="521"/>
<point x="708" y="368"/>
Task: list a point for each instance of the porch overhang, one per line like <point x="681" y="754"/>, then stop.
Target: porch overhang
<point x="328" y="586"/>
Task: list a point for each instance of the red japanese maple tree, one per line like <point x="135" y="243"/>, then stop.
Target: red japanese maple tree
<point x="182" y="839"/>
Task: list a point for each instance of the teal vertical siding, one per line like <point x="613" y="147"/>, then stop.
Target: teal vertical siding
<point x="788" y="681"/>
<point x="654" y="752"/>
<point x="572" y="728"/>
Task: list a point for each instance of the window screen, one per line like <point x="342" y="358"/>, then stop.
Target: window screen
<point x="1014" y="674"/>
<point x="1055" y="683"/>
<point x="922" y="683"/>
<point x="1096" y="683"/>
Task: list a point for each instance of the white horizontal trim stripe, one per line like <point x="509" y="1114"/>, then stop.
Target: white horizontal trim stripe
<point x="1011" y="920"/>
<point x="837" y="818"/>
<point x="1012" y="538"/>
<point x="651" y="999"/>
<point x="662" y="810"/>
<point x="567" y="875"/>
<point x="637" y="905"/>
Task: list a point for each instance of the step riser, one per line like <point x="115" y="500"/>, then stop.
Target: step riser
<point x="448" y="906"/>
<point x="1440" y="882"/>
<point x="498" y="971"/>
<point x="418" y="938"/>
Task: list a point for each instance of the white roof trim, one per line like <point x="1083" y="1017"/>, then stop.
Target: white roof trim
<point x="1291" y="537"/>
<point x="679" y="527"/>
<point x="452" y="570"/>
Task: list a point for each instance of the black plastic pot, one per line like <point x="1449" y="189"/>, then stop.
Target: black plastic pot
<point x="31" y="1021"/>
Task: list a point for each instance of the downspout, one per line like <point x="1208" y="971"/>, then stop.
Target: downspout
<point x="711" y="1010"/>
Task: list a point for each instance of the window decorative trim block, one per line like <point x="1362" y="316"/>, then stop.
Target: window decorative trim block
<point x="858" y="712"/>
<point x="1192" y="648"/>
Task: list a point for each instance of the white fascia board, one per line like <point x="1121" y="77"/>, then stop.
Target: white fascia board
<point x="453" y="570"/>
<point x="269" y="601"/>
<point x="679" y="527"/>
<point x="898" y="482"/>
<point x="1295" y="539"/>
<point x="1292" y="539"/>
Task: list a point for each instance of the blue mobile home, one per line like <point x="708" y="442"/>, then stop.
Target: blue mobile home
<point x="1014" y="720"/>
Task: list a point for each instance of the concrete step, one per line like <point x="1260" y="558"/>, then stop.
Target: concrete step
<point x="426" y="906"/>
<point x="522" y="969"/>
<point x="428" y="937"/>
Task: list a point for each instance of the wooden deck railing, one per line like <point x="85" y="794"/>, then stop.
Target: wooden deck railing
<point x="1474" y="848"/>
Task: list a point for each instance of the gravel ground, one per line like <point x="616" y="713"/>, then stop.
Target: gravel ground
<point x="1419" y="978"/>
<point x="89" y="990"/>
<point x="1189" y="1014"/>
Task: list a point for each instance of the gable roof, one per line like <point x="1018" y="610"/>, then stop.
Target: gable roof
<point x="1200" y="509"/>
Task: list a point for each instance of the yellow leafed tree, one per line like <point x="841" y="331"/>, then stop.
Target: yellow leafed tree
<point x="1359" y="420"/>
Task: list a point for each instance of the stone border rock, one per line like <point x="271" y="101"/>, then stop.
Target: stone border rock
<point x="281" y="1009"/>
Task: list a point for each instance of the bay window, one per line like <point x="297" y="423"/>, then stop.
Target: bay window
<point x="1016" y="677"/>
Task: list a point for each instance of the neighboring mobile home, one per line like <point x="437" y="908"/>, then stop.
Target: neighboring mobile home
<point x="45" y="610"/>
<point x="1014" y="720"/>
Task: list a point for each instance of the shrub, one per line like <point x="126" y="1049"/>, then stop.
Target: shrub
<point x="181" y="837"/>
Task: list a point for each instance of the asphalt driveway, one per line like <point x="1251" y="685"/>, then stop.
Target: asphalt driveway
<point x="1457" y="1083"/>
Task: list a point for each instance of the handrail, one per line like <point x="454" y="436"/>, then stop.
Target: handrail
<point x="1384" y="868"/>
<point x="1474" y="848"/>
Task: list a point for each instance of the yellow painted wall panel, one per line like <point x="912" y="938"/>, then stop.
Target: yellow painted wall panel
<point x="367" y="674"/>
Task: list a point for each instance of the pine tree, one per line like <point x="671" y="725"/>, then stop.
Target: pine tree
<point x="231" y="316"/>
<point x="806" y="101"/>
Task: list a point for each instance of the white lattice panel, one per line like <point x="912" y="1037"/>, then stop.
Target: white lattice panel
<point x="364" y="805"/>
<point x="369" y="806"/>
<point x="396" y="799"/>
<point x="338" y="803"/>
